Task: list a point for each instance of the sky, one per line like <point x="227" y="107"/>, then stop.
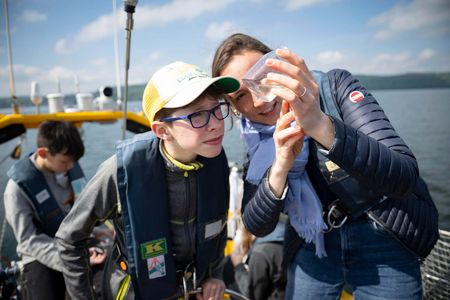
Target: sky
<point x="73" y="41"/>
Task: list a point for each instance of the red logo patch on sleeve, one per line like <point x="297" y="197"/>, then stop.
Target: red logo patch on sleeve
<point x="356" y="96"/>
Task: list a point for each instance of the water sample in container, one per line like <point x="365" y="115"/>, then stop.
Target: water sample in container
<point x="252" y="79"/>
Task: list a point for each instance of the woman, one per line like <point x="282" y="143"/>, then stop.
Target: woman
<point x="356" y="161"/>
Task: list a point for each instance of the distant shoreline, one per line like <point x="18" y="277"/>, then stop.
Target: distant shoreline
<point x="405" y="81"/>
<point x="370" y="82"/>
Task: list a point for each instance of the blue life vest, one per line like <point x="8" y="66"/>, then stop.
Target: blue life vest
<point x="25" y="174"/>
<point x="412" y="220"/>
<point x="142" y="185"/>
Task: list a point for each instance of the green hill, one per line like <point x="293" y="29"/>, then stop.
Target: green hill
<point x="406" y="81"/>
<point x="371" y="82"/>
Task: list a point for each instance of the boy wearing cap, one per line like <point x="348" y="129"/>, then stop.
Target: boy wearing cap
<point x="167" y="193"/>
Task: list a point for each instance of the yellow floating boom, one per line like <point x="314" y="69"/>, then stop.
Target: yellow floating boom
<point x="12" y="125"/>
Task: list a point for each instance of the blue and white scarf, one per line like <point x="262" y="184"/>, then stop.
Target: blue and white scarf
<point x="302" y="203"/>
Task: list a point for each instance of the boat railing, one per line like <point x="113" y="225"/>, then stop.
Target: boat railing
<point x="436" y="269"/>
<point x="9" y="288"/>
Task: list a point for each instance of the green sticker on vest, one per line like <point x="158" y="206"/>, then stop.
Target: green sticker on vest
<point x="153" y="248"/>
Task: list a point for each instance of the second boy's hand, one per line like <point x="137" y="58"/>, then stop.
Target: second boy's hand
<point x="212" y="289"/>
<point x="96" y="256"/>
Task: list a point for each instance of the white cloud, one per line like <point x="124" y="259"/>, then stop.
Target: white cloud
<point x="406" y="62"/>
<point x="101" y="28"/>
<point x="145" y="16"/>
<point x="148" y="16"/>
<point x="32" y="16"/>
<point x="387" y="62"/>
<point x="59" y="73"/>
<point x="330" y="57"/>
<point x="98" y="62"/>
<point x="216" y="31"/>
<point x="154" y="56"/>
<point x="61" y="47"/>
<point x="426" y="54"/>
<point x="299" y="4"/>
<point x="421" y="16"/>
<point x="90" y="78"/>
<point x="426" y="60"/>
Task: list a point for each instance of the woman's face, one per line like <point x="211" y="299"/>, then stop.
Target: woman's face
<point x="243" y="100"/>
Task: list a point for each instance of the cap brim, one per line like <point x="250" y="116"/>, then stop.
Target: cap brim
<point x="198" y="85"/>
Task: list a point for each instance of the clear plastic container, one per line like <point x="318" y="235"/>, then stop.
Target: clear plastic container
<point x="252" y="79"/>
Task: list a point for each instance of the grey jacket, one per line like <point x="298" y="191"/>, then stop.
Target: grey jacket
<point x="20" y="212"/>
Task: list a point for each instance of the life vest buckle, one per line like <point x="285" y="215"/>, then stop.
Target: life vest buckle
<point x="189" y="281"/>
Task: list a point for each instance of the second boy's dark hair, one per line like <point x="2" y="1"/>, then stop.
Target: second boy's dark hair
<point x="233" y="45"/>
<point x="60" y="137"/>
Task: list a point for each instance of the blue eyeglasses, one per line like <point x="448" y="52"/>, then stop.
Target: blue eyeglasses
<point x="201" y="118"/>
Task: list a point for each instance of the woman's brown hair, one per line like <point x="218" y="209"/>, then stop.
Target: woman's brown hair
<point x="234" y="45"/>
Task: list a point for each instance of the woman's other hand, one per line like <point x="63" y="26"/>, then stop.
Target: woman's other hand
<point x="288" y="145"/>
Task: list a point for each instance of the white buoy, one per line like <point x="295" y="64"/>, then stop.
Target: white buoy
<point x="55" y="102"/>
<point x="84" y="101"/>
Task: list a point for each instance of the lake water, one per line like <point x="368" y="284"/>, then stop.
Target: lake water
<point x="419" y="116"/>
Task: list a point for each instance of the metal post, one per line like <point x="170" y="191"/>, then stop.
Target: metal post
<point x="12" y="90"/>
<point x="130" y="6"/>
<point x="116" y="58"/>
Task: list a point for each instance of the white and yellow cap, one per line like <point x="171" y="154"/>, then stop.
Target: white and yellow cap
<point x="178" y="84"/>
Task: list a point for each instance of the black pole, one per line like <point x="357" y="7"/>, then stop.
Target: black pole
<point x="129" y="7"/>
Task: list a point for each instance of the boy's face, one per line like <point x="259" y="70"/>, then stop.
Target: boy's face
<point x="184" y="143"/>
<point x="57" y="163"/>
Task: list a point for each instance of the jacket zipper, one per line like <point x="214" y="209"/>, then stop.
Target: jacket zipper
<point x="187" y="209"/>
<point x="393" y="234"/>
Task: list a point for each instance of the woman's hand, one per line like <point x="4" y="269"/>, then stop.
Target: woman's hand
<point x="288" y="139"/>
<point x="302" y="93"/>
<point x="288" y="144"/>
<point x="212" y="289"/>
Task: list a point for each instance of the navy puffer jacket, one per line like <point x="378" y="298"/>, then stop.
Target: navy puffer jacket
<point x="366" y="146"/>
